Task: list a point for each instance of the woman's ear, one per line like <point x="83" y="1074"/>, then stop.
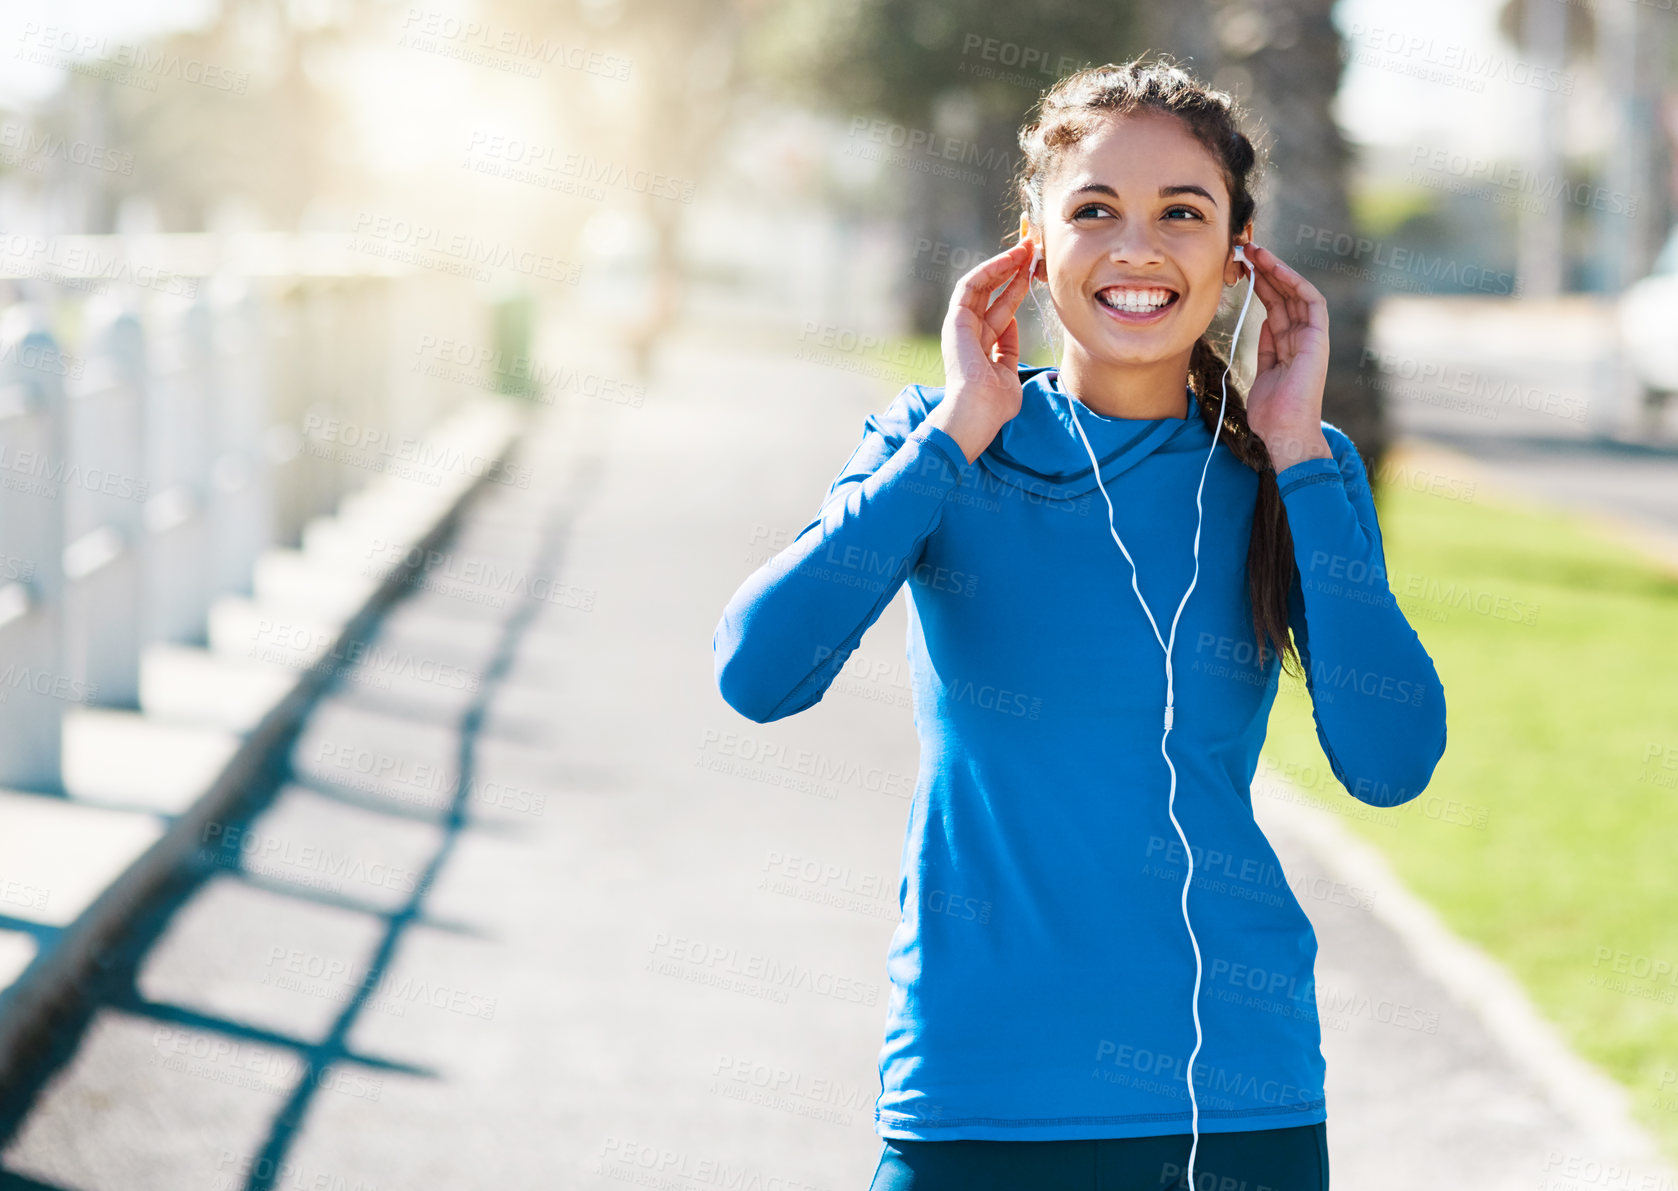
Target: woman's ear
<point x="1238" y="266"/>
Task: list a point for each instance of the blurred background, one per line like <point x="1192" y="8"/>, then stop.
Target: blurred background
<point x="392" y="395"/>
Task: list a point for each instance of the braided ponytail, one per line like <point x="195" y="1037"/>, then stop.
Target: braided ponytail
<point x="1270" y="547"/>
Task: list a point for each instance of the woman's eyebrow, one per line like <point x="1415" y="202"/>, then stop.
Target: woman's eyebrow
<point x="1188" y="188"/>
<point x="1164" y="191"/>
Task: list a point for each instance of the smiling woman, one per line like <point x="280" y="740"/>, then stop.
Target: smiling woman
<point x="1079" y="1036"/>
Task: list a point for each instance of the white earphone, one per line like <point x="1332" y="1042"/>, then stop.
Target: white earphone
<point x="1235" y="339"/>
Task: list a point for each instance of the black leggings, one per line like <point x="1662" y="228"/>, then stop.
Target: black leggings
<point x="1293" y="1159"/>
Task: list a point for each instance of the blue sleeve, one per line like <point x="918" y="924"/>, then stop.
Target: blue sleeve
<point x="787" y="631"/>
<point x="1377" y="701"/>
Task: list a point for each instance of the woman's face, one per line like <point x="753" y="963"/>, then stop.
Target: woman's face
<point x="1136" y="240"/>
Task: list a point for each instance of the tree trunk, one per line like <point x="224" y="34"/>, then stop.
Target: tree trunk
<point x="1295" y="67"/>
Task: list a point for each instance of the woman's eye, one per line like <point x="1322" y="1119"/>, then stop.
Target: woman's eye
<point x="1086" y="208"/>
<point x="1189" y="211"/>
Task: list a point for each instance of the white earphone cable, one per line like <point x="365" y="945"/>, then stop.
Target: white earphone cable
<point x="1165" y="645"/>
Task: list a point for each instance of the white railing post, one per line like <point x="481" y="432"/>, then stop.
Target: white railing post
<point x="177" y="473"/>
<point x="104" y="495"/>
<point x="32" y="476"/>
<point x="241" y="514"/>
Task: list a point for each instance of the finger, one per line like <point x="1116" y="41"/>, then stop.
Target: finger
<point x="1276" y="316"/>
<point x="965" y="345"/>
<point x="1286" y="312"/>
<point x="1309" y="305"/>
<point x="1008" y="346"/>
<point x="1266" y="348"/>
<point x="974" y="287"/>
<point x="1001" y="311"/>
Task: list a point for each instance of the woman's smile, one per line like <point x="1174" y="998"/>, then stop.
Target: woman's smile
<point x="1136" y="305"/>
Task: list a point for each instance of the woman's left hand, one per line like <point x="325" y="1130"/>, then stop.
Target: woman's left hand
<point x="1285" y="402"/>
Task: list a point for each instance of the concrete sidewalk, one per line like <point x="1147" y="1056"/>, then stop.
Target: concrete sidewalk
<point x="525" y="910"/>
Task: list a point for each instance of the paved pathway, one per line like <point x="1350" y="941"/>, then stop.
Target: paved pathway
<point x="533" y="908"/>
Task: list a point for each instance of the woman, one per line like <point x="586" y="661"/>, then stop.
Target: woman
<point x="1101" y="977"/>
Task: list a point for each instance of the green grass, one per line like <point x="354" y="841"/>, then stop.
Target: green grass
<point x="1563" y="737"/>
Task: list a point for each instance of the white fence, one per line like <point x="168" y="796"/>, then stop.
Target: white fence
<point x="175" y="411"/>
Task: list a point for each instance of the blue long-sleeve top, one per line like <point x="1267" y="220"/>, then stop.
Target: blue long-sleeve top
<point x="1041" y="971"/>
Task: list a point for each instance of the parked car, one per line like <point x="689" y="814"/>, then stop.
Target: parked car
<point x="1648" y="318"/>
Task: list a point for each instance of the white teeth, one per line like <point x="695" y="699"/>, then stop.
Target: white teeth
<point x="1138" y="300"/>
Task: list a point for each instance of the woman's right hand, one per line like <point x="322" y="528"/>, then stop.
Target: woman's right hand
<point x="981" y="347"/>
